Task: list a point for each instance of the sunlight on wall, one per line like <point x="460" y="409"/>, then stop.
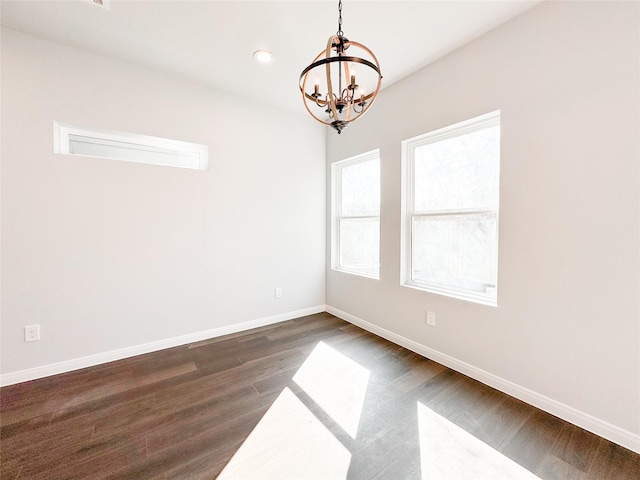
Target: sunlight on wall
<point x="289" y="442"/>
<point x="449" y="452"/>
<point x="336" y="383"/>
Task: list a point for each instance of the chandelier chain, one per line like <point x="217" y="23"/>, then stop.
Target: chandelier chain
<point x="340" y="33"/>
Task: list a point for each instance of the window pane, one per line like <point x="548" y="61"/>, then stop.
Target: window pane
<point x="128" y="151"/>
<point x="457" y="251"/>
<point x="360" y="244"/>
<point x="361" y="188"/>
<point x="459" y="173"/>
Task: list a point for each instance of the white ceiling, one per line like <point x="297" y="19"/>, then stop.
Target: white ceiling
<point x="213" y="41"/>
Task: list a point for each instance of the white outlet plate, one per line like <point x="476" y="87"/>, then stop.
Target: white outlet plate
<point x="431" y="319"/>
<point x="278" y="292"/>
<point x="31" y="333"/>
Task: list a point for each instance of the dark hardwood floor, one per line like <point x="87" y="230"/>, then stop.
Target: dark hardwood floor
<point x="183" y="413"/>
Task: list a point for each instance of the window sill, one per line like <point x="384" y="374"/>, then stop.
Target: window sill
<point x="467" y="296"/>
<point x="357" y="273"/>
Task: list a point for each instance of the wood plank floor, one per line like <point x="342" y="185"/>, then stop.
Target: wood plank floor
<point x="184" y="412"/>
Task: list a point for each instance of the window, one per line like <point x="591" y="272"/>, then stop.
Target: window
<point x="73" y="140"/>
<point x="356" y="215"/>
<point x="451" y="181"/>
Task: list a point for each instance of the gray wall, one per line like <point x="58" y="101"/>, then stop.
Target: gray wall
<point x="109" y="255"/>
<point x="566" y="331"/>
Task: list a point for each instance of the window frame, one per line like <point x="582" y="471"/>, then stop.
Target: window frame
<point x="337" y="216"/>
<point x="409" y="147"/>
<point x="133" y="144"/>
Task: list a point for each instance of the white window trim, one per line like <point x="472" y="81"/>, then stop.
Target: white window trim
<point x="408" y="148"/>
<point x="62" y="133"/>
<point x="336" y="206"/>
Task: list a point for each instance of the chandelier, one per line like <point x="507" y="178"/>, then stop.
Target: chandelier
<point x="349" y="82"/>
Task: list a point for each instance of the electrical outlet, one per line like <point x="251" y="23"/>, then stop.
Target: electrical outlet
<point x="278" y="292"/>
<point x="431" y="319"/>
<point x="31" y="333"/>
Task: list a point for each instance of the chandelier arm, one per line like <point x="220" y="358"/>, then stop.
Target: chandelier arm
<point x="371" y="96"/>
<point x="315" y="117"/>
<point x="323" y="61"/>
<point x="376" y="67"/>
<point x="303" y="83"/>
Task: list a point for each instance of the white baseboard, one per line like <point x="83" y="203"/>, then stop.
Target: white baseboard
<point x="97" y="359"/>
<point x="604" y="429"/>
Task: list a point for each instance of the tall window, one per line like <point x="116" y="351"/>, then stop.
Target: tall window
<point x="451" y="205"/>
<point x="355" y="186"/>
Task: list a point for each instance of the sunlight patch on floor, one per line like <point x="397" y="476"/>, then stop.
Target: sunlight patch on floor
<point x="336" y="383"/>
<point x="289" y="442"/>
<point x="447" y="452"/>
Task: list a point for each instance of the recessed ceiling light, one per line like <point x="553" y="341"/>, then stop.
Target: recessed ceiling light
<point x="263" y="56"/>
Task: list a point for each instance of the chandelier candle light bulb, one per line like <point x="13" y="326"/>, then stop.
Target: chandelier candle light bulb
<point x="343" y="105"/>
